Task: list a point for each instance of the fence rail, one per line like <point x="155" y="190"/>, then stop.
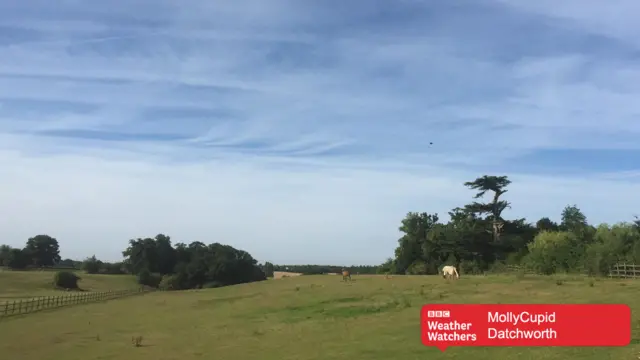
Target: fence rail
<point x="27" y="306"/>
<point x="625" y="271"/>
<point x="622" y="270"/>
<point x="528" y="270"/>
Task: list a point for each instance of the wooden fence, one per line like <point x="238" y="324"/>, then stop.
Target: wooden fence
<point x="625" y="271"/>
<point x="21" y="307"/>
<point x="530" y="271"/>
<point x="629" y="271"/>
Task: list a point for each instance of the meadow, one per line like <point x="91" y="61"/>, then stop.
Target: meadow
<point x="306" y="317"/>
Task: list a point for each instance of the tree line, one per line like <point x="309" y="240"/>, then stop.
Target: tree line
<point x="155" y="261"/>
<point x="477" y="239"/>
<point x="158" y="263"/>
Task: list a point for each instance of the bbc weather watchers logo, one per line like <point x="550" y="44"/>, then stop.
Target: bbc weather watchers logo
<point x="438" y="314"/>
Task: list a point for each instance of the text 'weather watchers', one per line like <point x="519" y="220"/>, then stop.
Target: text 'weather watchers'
<point x="525" y="325"/>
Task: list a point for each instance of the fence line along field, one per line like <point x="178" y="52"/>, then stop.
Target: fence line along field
<point x="16" y="285"/>
<point x="625" y="271"/>
<point x="27" y="306"/>
<point x="306" y="317"/>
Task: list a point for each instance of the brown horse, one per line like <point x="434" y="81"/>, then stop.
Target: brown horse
<point x="346" y="275"/>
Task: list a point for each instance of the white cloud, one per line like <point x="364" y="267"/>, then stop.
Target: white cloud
<point x="311" y="213"/>
<point x="305" y="127"/>
<point x="616" y="18"/>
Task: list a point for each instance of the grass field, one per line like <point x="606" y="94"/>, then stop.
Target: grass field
<point x="307" y="317"/>
<point x="16" y="285"/>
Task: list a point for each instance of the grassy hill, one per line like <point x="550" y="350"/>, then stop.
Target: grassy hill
<point x="28" y="284"/>
<point x="301" y="318"/>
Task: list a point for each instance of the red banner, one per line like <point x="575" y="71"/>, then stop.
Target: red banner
<point x="525" y="325"/>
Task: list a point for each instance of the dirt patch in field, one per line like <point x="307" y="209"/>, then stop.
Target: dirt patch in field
<point x="282" y="274"/>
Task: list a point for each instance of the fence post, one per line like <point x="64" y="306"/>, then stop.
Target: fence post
<point x="20" y="307"/>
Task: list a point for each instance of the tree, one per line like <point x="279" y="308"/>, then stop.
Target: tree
<point x="551" y="252"/>
<point x="141" y="254"/>
<point x="145" y="277"/>
<point x="115" y="268"/>
<point x="5" y="252"/>
<point x="92" y="265"/>
<point x="477" y="238"/>
<point x="18" y="259"/>
<point x="573" y="219"/>
<point x="474" y="248"/>
<point x="189" y="266"/>
<point x="68" y="263"/>
<point x="268" y="269"/>
<point x="43" y="250"/>
<point x="545" y="224"/>
<point x="413" y="246"/>
<point x="497" y="185"/>
<point x="166" y="254"/>
<point x="387" y="267"/>
<point x="608" y="248"/>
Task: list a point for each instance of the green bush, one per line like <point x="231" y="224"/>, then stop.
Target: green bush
<point x="212" y="285"/>
<point x="418" y="267"/>
<point x="146" y="278"/>
<point x="17" y="259"/>
<point x="92" y="265"/>
<point x="66" y="280"/>
<point x="170" y="282"/>
<point x="471" y="267"/>
<point x="552" y="252"/>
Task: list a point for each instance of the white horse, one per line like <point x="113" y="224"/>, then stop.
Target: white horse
<point x="450" y="271"/>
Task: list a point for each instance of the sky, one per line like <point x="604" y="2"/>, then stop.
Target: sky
<point x="303" y="131"/>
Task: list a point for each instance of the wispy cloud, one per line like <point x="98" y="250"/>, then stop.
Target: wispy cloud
<point x="301" y="130"/>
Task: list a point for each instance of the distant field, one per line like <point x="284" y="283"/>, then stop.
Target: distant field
<point x="284" y="274"/>
<point x="300" y="318"/>
<point x="16" y="285"/>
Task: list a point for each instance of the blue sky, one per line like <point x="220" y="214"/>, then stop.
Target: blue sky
<point x="300" y="130"/>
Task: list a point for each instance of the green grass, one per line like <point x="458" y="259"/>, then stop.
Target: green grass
<point x="16" y="285"/>
<point x="308" y="317"/>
